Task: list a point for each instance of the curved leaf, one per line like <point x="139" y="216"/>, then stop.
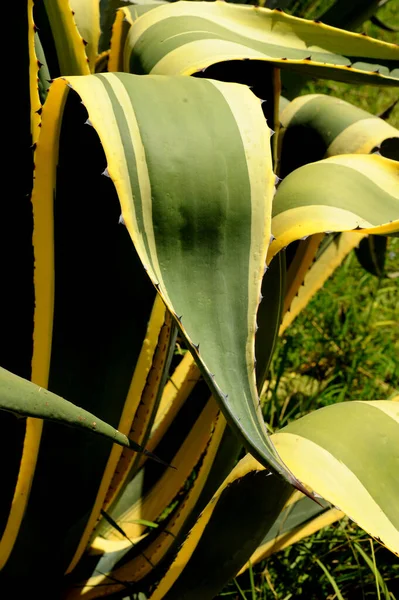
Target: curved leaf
<point x="349" y="454"/>
<point x="342" y="193"/>
<point x="318" y="126"/>
<point x="200" y="233"/>
<point x="186" y="37"/>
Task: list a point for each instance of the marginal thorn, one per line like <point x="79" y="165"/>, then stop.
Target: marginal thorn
<point x="265" y="269"/>
<point x="284" y="58"/>
<point x="105" y="172"/>
<point x="157" y="286"/>
<point x="307" y="58"/>
<point x="272" y="132"/>
<point x="88" y="122"/>
<point x="277" y="180"/>
<point x="260" y="297"/>
<point x="178" y="318"/>
<point x="50" y="81"/>
<point x="121" y="220"/>
<point x="316" y="21"/>
<point x="39" y="111"/>
<point x="35" y="28"/>
<point x="256" y="327"/>
<point x="39" y="64"/>
<point x="272" y="238"/>
<point x="262" y="101"/>
<point x="196" y="346"/>
<point x="33" y="147"/>
<point x="84" y="42"/>
<point x="305" y="237"/>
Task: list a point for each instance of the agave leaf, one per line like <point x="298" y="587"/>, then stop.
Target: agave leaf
<point x="167" y="205"/>
<point x="196" y="35"/>
<point x="316" y="126"/>
<point x="348" y="453"/>
<point x="16" y="255"/>
<point x="342" y="193"/>
<point x="65" y="36"/>
<point x="86" y="14"/>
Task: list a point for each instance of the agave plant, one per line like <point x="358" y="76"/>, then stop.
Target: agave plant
<point x="157" y="229"/>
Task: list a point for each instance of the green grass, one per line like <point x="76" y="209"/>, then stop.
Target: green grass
<point x="344" y="346"/>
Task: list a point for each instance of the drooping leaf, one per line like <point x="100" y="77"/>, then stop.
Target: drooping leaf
<point x="196" y="35"/>
<point x="341" y="193"/>
<point x="216" y="216"/>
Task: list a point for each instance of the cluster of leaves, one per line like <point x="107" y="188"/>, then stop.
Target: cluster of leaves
<point x="155" y="213"/>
